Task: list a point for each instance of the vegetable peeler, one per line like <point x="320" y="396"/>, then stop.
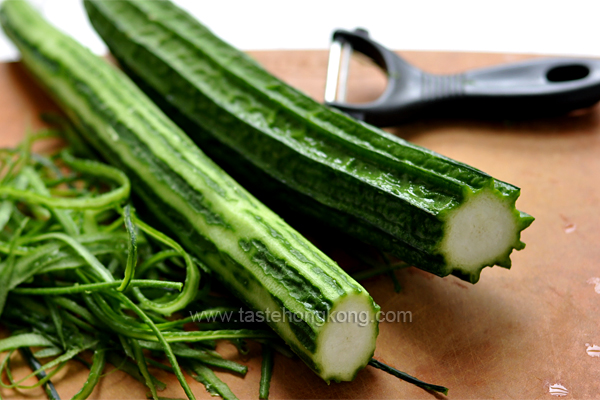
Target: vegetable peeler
<point x="529" y="89"/>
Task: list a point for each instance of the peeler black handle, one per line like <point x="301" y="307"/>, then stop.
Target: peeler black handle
<point x="538" y="87"/>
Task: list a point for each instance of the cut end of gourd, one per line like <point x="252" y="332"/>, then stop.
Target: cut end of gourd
<point x="481" y="232"/>
<point x="347" y="341"/>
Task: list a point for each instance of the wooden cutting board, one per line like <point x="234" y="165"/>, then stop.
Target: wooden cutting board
<point x="513" y="334"/>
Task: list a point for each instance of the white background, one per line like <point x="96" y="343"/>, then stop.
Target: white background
<point x="527" y="26"/>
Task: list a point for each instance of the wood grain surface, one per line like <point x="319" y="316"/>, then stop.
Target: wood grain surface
<point x="513" y="334"/>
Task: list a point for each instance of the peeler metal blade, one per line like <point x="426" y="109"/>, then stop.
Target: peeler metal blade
<point x="337" y="71"/>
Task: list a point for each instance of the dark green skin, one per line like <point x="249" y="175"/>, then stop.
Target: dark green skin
<point x="363" y="181"/>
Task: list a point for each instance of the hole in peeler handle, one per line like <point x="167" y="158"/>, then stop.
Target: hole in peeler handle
<point x="566" y="73"/>
<point x="364" y="81"/>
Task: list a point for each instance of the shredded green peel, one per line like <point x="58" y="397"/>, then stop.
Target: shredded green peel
<point x="131" y="250"/>
<point x="406" y="377"/>
<point x="83" y="272"/>
<point x="94" y="375"/>
<point x="35" y="365"/>
<point x="211" y="382"/>
<point x="266" y="372"/>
